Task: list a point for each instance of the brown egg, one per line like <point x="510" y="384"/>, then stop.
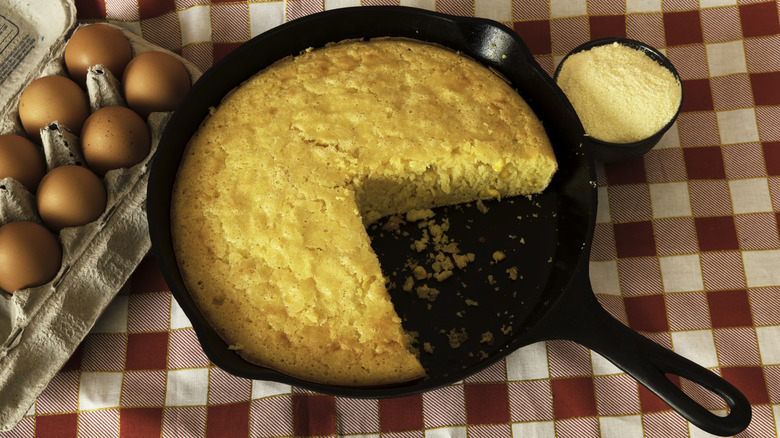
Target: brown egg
<point x="49" y="99"/>
<point x="21" y="160"/>
<point x="114" y="137"/>
<point x="154" y="81"/>
<point x="96" y="44"/>
<point x="70" y="196"/>
<point x="30" y="255"/>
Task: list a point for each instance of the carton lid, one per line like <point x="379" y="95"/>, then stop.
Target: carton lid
<point x="30" y="31"/>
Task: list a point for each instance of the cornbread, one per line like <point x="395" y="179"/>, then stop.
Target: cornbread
<point x="277" y="185"/>
<point x="620" y="94"/>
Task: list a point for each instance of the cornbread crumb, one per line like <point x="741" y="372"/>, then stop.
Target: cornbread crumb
<point x="427" y="293"/>
<point x="421" y="244"/>
<point x="462" y="260"/>
<point x="442" y="263"/>
<point x="393" y="224"/>
<point x="457" y="337"/>
<point x="498" y="256"/>
<point x="277" y="186"/>
<point x="443" y="275"/>
<point x="620" y="94"/>
<point x="419" y="214"/>
<point x="419" y="273"/>
<point x="451" y="248"/>
<point x="444" y="256"/>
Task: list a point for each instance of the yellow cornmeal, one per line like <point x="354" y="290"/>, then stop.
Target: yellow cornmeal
<point x="276" y="187"/>
<point x="620" y="94"/>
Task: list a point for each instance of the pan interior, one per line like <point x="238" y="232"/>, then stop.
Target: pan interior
<point x="472" y="315"/>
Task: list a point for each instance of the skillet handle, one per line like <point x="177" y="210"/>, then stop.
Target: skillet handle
<point x="583" y="320"/>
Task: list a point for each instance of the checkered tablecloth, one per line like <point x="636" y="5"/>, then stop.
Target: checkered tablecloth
<point x="686" y="251"/>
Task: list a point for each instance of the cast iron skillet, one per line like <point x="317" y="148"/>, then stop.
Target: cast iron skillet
<point x="546" y="239"/>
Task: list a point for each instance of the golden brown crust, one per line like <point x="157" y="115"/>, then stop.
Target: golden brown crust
<point x="274" y="190"/>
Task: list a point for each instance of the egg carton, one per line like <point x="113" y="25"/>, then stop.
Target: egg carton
<point x="41" y="327"/>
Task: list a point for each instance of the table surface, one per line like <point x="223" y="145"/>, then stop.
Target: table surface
<point x="686" y="252"/>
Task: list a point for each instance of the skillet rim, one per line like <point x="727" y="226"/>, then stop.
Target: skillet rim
<point x="158" y="208"/>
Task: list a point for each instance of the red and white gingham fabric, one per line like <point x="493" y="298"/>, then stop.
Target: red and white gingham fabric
<point x="686" y="251"/>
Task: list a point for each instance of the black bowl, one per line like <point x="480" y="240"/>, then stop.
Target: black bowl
<point x="609" y="152"/>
